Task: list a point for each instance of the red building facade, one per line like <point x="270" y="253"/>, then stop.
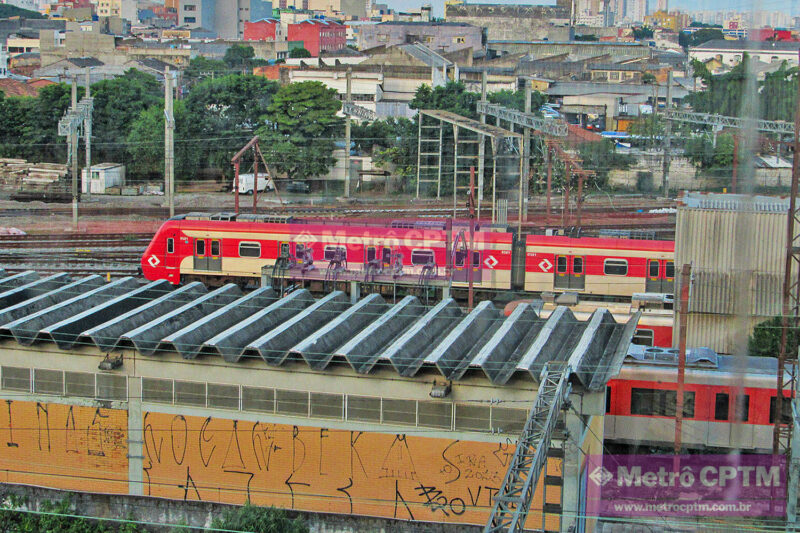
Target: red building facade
<point x="319" y="35"/>
<point x="262" y="30"/>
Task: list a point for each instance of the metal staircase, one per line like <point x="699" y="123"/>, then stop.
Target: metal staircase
<point x="513" y="500"/>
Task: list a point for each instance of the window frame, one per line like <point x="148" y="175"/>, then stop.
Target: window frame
<point x="619" y="262"/>
<point x="170" y="245"/>
<point x="250" y="243"/>
<point x="426" y="251"/>
<point x="645" y="335"/>
<point x="331" y="248"/>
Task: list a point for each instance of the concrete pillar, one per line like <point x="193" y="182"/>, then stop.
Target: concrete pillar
<point x="355" y="292"/>
<point x="135" y="437"/>
<point x="571" y="471"/>
<point x="526" y="154"/>
<point x="347" y="128"/>
<point x="445" y="292"/>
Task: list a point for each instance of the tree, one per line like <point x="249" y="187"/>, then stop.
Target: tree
<point x="648" y="128"/>
<point x="200" y="67"/>
<point x="589" y="37"/>
<point x="299" y="53"/>
<point x="227" y="109"/>
<point x="301" y="125"/>
<point x="704" y="35"/>
<point x="452" y="97"/>
<point x="765" y="340"/>
<point x="602" y="157"/>
<point x="239" y="56"/>
<point x="648" y="78"/>
<point x="643" y="33"/>
<point x="253" y="519"/>
<point x="516" y="99"/>
<point x="117" y="103"/>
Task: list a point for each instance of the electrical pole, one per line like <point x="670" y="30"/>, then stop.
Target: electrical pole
<point x="169" y="143"/>
<point x="526" y="154"/>
<point x="87" y="132"/>
<point x="683" y="320"/>
<point x="347" y="132"/>
<point x="667" y="139"/>
<point x="73" y="150"/>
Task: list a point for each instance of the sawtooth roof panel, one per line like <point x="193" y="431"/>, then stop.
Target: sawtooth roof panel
<point x="300" y="329"/>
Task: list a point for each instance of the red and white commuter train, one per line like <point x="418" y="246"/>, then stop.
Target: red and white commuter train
<point x="220" y="251"/>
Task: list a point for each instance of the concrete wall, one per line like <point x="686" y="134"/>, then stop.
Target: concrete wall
<point x="507" y="22"/>
<point x="438" y="37"/>
<point x="201" y="514"/>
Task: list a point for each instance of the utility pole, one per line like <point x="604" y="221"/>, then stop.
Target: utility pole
<point x="73" y="150"/>
<point x="482" y="143"/>
<point x="347" y="127"/>
<point x="526" y="154"/>
<point x="667" y="139"/>
<point x="169" y="143"/>
<point x="683" y="320"/>
<point x="87" y="131"/>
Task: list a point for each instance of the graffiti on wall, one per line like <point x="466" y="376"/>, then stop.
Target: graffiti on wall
<point x="64" y="446"/>
<point x="405" y="476"/>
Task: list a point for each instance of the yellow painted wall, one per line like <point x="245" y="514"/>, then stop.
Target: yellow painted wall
<point x="407" y="476"/>
<point x="63" y="446"/>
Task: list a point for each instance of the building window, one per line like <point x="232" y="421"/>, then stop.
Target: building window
<point x="189" y="20"/>
<point x="189" y="8"/>
<point x="615" y="267"/>
<point x="643" y="337"/>
<point x="382" y="37"/>
<point x="459" y="39"/>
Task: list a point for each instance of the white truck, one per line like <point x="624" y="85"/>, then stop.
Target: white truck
<point x="246" y="183"/>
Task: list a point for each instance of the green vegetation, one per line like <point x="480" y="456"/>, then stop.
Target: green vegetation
<point x="766" y="339"/>
<point x="700" y="36"/>
<point x="516" y="99"/>
<point x="724" y="93"/>
<point x="643" y="33"/>
<point x="300" y="129"/>
<point x="8" y="11"/>
<point x="58" y="517"/>
<point x="602" y="157"/>
<point x="253" y="519"/>
<point x="299" y="53"/>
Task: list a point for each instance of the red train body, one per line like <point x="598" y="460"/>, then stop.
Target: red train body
<point x="218" y="251"/>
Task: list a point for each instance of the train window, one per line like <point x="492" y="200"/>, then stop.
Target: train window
<point x="330" y="252"/>
<point x="577" y="265"/>
<point x="215" y="248"/>
<point x="200" y="247"/>
<point x="721" y="405"/>
<point x="652" y="402"/>
<point x="299" y="249"/>
<point x="615" y="267"/>
<point x="370" y="254"/>
<point x="561" y="264"/>
<point x="669" y="270"/>
<point x="421" y="257"/>
<point x="643" y="337"/>
<point x="170" y="245"/>
<point x="742" y="408"/>
<point x="652" y="269"/>
<point x="284" y="249"/>
<point x="786" y="407"/>
<point x="249" y="249"/>
<point x="387" y="256"/>
<point x="608" y="399"/>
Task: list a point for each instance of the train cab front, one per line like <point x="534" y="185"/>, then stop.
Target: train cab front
<point x="160" y="260"/>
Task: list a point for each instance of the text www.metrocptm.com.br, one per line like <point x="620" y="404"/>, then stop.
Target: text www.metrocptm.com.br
<point x="692" y="507"/>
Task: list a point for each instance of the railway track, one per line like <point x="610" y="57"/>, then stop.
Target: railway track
<point x="76" y="254"/>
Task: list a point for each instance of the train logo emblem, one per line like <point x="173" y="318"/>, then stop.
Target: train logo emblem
<point x="490" y="262"/>
<point x="601" y="476"/>
<point x="153" y="261"/>
<point x="545" y="265"/>
<point x="305" y="237"/>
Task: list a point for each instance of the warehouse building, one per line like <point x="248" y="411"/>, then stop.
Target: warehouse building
<point x="359" y="407"/>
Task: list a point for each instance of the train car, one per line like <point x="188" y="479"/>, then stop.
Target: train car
<point x="220" y="251"/>
<point x="729" y="401"/>
<point x="598" y="266"/>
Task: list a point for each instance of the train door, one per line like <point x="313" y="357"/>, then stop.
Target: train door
<point x="660" y="276"/>
<point x="200" y="254"/>
<point x="215" y="255"/>
<point x="570" y="272"/>
<point x="460" y="269"/>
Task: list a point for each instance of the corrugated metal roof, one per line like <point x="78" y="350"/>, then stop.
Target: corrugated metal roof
<point x="195" y="322"/>
<point x="734" y="202"/>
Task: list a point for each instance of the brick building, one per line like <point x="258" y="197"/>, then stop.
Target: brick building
<point x="268" y="29"/>
<point x="319" y="35"/>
